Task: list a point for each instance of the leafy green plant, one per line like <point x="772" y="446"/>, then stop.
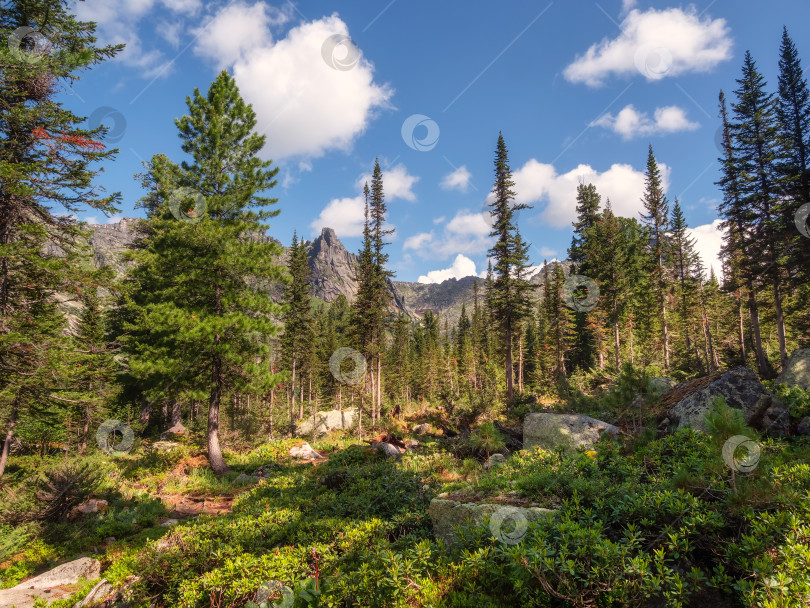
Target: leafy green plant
<point x="486" y="439"/>
<point x="723" y="421"/>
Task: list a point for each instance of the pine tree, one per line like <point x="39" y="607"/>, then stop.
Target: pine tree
<point x="685" y="260"/>
<point x="756" y="136"/>
<point x="209" y="277"/>
<point x="606" y="254"/>
<point x="588" y="202"/>
<point x="736" y="249"/>
<point x="558" y="316"/>
<point x="657" y="218"/>
<point x="46" y="177"/>
<point x="510" y="289"/>
<point x="298" y="339"/>
<point x="793" y="112"/>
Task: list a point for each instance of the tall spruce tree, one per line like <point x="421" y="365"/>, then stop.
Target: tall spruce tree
<point x="761" y="186"/>
<point x="685" y="263"/>
<point x="741" y="273"/>
<point x="46" y="176"/>
<point x="209" y="273"/>
<point x="297" y="342"/>
<point x="793" y="112"/>
<point x="657" y="218"/>
<point x="510" y="288"/>
<point x="588" y="202"/>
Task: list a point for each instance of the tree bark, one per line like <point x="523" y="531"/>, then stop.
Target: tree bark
<point x="9" y="436"/>
<point x="214" y="452"/>
<point x="510" y="389"/>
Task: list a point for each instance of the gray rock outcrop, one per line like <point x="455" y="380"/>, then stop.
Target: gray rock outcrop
<point x="321" y="423"/>
<point x="797" y="370"/>
<point x="548" y="431"/>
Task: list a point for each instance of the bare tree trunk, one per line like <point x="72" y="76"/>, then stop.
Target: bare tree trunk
<point x="763" y="365"/>
<point x="85" y="429"/>
<point x="379" y="387"/>
<point x="292" y="394"/>
<point x="510" y="389"/>
<point x="301" y="401"/>
<point x="616" y="354"/>
<point x="520" y="364"/>
<point x="214" y="452"/>
<point x="146" y="412"/>
<point x="9" y="436"/>
<point x="741" y="324"/>
<point x="780" y="320"/>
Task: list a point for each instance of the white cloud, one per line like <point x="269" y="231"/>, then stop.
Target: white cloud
<point x="627" y="5"/>
<point x="457" y="180"/>
<point x="708" y="241"/>
<point x="462" y="267"/>
<point x="537" y="182"/>
<point x="304" y="106"/>
<point x="235" y="31"/>
<point x="345" y="215"/>
<point x="439" y="220"/>
<point x="655" y="43"/>
<point x="629" y="123"/>
<point x="397" y="183"/>
<point x="466" y="232"/>
<point x="118" y="22"/>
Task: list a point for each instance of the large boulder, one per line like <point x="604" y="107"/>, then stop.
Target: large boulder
<point x="549" y="431"/>
<point x="323" y="422"/>
<point x="446" y="513"/>
<point x="97" y="593"/>
<point x="66" y="574"/>
<point x="174" y="432"/>
<point x="661" y="384"/>
<point x="687" y="404"/>
<point x="797" y="370"/>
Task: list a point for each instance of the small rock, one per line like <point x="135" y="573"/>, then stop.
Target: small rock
<point x="323" y="422"/>
<point x="178" y="430"/>
<point x="169" y="522"/>
<point x="109" y="540"/>
<point x="165" y="446"/>
<point x="495" y="460"/>
<point x="304" y="452"/>
<point x="94" y="505"/>
<point x="421" y="429"/>
<point x="97" y="593"/>
<point x="389" y="449"/>
<point x="411" y="444"/>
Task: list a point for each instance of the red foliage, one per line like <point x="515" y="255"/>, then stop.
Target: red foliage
<point x="74" y="140"/>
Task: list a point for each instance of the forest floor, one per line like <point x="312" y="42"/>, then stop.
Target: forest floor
<point x="639" y="522"/>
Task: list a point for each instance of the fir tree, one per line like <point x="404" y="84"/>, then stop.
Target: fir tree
<point x="756" y="137"/>
<point x="510" y="289"/>
<point x="46" y="176"/>
<point x="298" y="337"/>
<point x="657" y="218"/>
<point x="685" y="260"/>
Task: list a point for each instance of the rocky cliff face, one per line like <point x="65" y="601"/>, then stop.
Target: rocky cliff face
<point x="332" y="273"/>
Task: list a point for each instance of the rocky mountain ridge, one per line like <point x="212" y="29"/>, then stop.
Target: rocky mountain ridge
<point x="332" y="272"/>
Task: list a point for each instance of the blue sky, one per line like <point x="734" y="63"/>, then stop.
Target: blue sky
<point x="578" y="88"/>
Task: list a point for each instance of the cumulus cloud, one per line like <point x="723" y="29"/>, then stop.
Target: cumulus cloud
<point x="118" y="22"/>
<point x="630" y="123"/>
<point x="708" y="241"/>
<point x="305" y="107"/>
<point x="397" y="183"/>
<point x="466" y="232"/>
<point x="537" y="183"/>
<point x="628" y="4"/>
<point x="457" y="180"/>
<point x="462" y="267"/>
<point x="655" y="43"/>
<point x="344" y="215"/>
